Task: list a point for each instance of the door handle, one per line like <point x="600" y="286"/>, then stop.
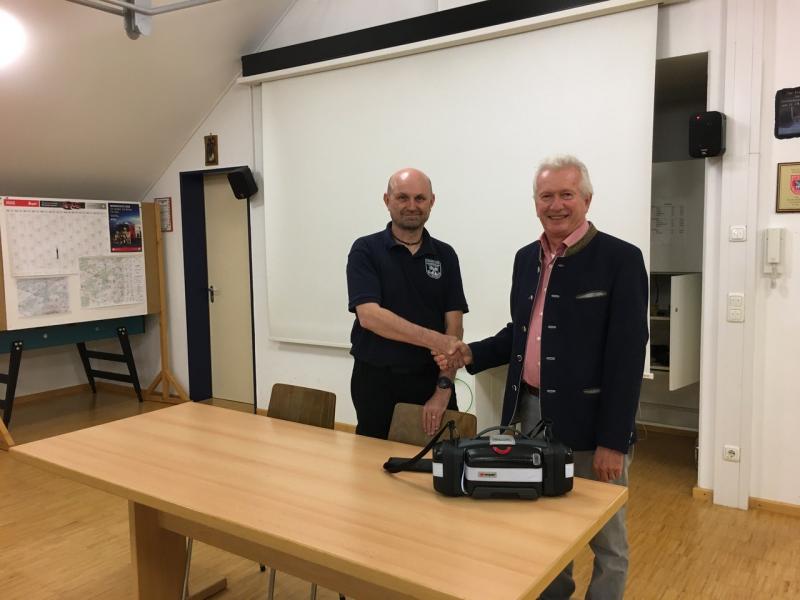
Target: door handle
<point x="211" y="293"/>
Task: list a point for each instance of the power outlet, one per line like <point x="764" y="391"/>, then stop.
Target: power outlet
<point x="730" y="453"/>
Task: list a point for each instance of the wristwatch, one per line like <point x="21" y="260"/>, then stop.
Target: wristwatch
<point x="444" y="383"/>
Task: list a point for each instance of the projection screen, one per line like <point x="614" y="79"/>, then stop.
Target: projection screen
<point x="477" y="118"/>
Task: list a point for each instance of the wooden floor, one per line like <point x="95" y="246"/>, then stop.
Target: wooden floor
<point x="60" y="539"/>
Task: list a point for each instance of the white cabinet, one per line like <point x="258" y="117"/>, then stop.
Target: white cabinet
<point x="675" y="327"/>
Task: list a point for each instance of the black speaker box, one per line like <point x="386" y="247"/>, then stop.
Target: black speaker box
<point x="242" y="182"/>
<point x="706" y="134"/>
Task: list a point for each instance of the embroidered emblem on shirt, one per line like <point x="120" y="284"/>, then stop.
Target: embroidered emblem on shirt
<point x="433" y="268"/>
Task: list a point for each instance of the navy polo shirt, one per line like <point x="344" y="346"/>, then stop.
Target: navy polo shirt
<point x="419" y="287"/>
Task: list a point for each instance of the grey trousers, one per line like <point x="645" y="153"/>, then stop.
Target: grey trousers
<point x="610" y="545"/>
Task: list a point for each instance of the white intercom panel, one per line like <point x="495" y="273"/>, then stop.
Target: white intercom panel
<point x="774" y="241"/>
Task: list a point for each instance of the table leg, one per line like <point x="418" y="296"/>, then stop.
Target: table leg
<point x="158" y="555"/>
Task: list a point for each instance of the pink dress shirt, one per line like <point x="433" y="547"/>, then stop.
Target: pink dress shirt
<point x="531" y="369"/>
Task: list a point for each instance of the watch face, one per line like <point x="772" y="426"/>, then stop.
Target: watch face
<point x="444" y="383"/>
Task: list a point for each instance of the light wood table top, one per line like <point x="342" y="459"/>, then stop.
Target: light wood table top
<point x="317" y="503"/>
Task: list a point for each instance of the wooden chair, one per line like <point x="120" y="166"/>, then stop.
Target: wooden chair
<point x="406" y="424"/>
<point x="300" y="405"/>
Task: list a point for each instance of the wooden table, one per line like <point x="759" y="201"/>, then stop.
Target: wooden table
<point x="316" y="503"/>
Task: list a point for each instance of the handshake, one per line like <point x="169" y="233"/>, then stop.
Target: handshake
<point x="451" y="353"/>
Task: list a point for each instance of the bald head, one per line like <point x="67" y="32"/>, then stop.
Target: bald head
<point x="410" y="176"/>
<point x="409" y="198"/>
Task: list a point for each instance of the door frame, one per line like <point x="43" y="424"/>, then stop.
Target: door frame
<point x="195" y="272"/>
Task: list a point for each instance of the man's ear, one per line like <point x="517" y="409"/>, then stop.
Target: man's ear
<point x="588" y="201"/>
<point x="386" y="200"/>
<point x="433" y="199"/>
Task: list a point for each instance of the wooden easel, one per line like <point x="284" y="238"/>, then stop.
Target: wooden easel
<point x="165" y="376"/>
<point x="6" y="441"/>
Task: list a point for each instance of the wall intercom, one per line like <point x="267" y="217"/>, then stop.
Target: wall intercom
<point x="774" y="240"/>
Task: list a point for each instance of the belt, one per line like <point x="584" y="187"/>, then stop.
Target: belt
<point x="413" y="370"/>
<point x="533" y="391"/>
<point x="426" y="369"/>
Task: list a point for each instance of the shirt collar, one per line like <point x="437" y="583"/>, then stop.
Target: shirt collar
<point x="572" y="239"/>
<point x="427" y="246"/>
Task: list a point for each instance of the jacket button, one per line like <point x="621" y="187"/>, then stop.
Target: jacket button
<point x="519" y="357"/>
<point x="524" y="328"/>
<point x="514" y="388"/>
<point x="530" y="297"/>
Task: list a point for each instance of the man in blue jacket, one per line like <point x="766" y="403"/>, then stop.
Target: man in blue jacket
<point x="575" y="349"/>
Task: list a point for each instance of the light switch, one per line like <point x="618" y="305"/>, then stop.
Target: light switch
<point x="735" y="307"/>
<point x="735" y="300"/>
<point x="737" y="233"/>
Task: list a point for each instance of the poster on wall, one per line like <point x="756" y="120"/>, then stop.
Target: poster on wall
<point x="125" y="226"/>
<point x="165" y="212"/>
<point x="787" y="113"/>
<point x="788" y="194"/>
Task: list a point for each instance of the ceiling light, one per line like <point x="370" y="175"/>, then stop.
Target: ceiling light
<point x="12" y="38"/>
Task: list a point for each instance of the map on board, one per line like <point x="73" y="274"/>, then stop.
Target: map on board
<point x="38" y="296"/>
<point x="48" y="237"/>
<point x="60" y="264"/>
<point x="111" y="280"/>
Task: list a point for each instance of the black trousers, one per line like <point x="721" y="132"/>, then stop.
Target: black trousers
<point x="375" y="391"/>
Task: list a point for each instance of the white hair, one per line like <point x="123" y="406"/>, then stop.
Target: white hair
<point x="565" y="161"/>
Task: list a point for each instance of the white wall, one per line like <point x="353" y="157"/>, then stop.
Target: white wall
<point x="232" y="120"/>
<point x="747" y="392"/>
<point x="776" y="414"/>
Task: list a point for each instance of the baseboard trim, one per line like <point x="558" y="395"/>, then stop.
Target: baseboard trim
<point x="83" y="388"/>
<point x="784" y="508"/>
<point x="65" y="391"/>
<point x="125" y="390"/>
<point x="113" y="388"/>
<point x="702" y="494"/>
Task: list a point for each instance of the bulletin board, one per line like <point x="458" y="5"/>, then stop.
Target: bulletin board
<point x="71" y="261"/>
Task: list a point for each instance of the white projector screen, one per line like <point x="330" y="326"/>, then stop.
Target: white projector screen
<point x="477" y="119"/>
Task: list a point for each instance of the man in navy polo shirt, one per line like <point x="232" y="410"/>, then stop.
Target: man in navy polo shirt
<point x="405" y="288"/>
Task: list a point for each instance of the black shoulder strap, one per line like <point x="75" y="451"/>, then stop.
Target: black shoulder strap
<point x="543" y="428"/>
<point x="395" y="465"/>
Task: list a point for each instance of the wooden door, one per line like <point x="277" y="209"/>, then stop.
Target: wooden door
<point x="229" y="275"/>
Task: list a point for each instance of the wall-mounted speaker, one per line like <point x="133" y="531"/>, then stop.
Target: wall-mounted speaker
<point x="242" y="182"/>
<point x="706" y="134"/>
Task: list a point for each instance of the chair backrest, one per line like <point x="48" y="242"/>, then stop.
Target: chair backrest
<point x="406" y="424"/>
<point x="302" y="405"/>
